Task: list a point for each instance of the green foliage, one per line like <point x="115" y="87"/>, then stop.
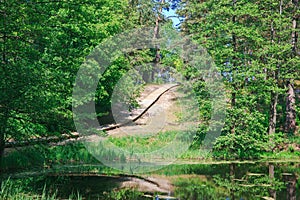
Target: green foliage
<point x="248" y="141"/>
<point x="238" y="146"/>
<point x="43" y="47"/>
<point x="254" y="62"/>
<point x="44" y="43"/>
<point x="121" y="84"/>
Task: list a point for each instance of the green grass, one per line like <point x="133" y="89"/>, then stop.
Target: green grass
<point x="282" y="156"/>
<point x="15" y="190"/>
<point x="144" y="144"/>
<point x="75" y="154"/>
<point x="197" y="154"/>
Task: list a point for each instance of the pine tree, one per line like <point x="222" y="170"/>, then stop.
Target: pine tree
<point x="254" y="45"/>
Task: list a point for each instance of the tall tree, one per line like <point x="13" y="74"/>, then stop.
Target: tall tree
<point x="230" y="32"/>
<point x="290" y="122"/>
<point x="273" y="74"/>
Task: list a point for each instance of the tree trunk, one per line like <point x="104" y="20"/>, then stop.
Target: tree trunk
<point x="156" y="36"/>
<point x="274" y="94"/>
<point x="273" y="113"/>
<point x="3" y="125"/>
<point x="290" y="121"/>
<point x="294" y="26"/>
<point x="146" y="76"/>
<point x="271" y="176"/>
<point x="233" y="101"/>
<point x="233" y="93"/>
<point x="4" y="112"/>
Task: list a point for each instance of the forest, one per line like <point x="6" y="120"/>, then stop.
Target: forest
<point x="222" y="78"/>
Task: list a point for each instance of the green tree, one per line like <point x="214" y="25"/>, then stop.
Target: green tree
<point x="229" y="31"/>
<point x="290" y="122"/>
<point x="43" y="43"/>
<point x="251" y="46"/>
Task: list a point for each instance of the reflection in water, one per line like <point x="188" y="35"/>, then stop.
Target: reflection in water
<point x="232" y="177"/>
<point x="233" y="181"/>
<point x="242" y="181"/>
<point x="291" y="181"/>
<point x="271" y="176"/>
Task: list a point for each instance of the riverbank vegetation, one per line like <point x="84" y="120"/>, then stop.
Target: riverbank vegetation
<point x="255" y="49"/>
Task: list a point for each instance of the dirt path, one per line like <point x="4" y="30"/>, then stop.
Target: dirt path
<point x="157" y="112"/>
<point x="159" y="118"/>
<point x="148" y="102"/>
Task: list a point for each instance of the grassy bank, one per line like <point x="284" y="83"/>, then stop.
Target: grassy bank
<point x="45" y="157"/>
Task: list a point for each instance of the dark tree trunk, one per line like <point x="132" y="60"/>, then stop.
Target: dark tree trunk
<point x="156" y="36"/>
<point x="2" y="145"/>
<point x="146" y="77"/>
<point x="291" y="181"/>
<point x="3" y="126"/>
<point x="271" y="176"/>
<point x="291" y="189"/>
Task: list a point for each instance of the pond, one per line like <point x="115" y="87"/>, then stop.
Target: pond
<point x="234" y="181"/>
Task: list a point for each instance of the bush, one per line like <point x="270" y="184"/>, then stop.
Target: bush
<point x="244" y="146"/>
